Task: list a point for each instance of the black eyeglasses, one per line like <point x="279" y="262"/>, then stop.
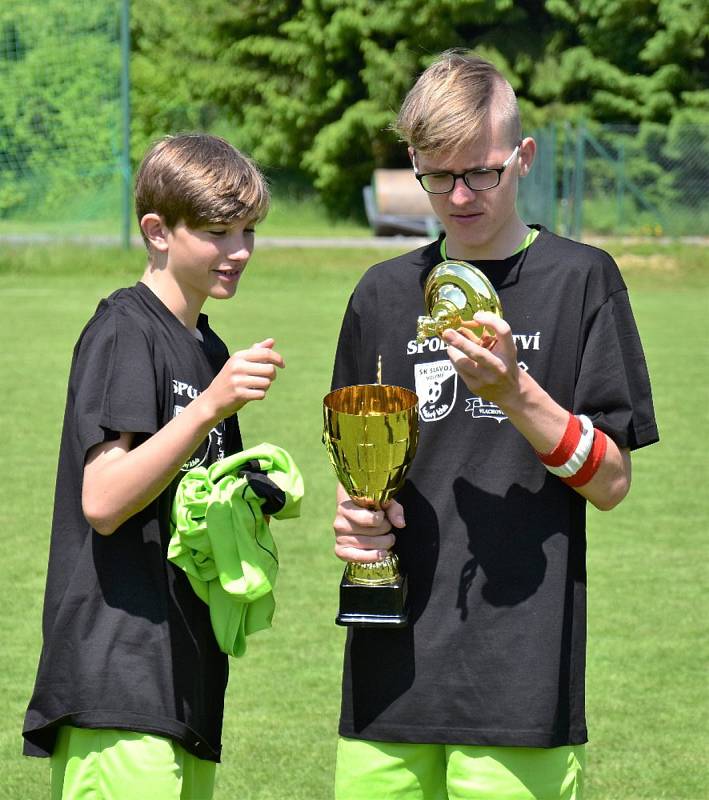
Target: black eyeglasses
<point x="479" y="180"/>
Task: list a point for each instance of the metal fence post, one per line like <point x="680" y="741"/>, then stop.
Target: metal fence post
<point x="566" y="151"/>
<point x="579" y="180"/>
<point x="551" y="150"/>
<point x="620" y="184"/>
<point x="127" y="211"/>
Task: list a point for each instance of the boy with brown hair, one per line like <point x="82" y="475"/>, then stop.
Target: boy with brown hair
<point x="481" y="697"/>
<point x="129" y="694"/>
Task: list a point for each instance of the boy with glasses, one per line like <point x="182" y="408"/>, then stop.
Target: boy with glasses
<point x="482" y="695"/>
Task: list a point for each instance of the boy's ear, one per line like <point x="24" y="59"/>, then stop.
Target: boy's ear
<point x="527" y="151"/>
<point x="155" y="231"/>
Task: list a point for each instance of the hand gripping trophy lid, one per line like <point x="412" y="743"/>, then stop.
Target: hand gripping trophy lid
<point x="371" y="433"/>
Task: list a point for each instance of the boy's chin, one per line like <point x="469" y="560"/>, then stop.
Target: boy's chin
<point x="224" y="292"/>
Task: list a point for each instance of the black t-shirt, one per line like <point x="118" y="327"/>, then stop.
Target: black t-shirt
<point x="126" y="642"/>
<point x="494" y="545"/>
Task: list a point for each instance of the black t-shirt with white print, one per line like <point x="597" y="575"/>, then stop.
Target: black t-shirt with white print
<point x="494" y="545"/>
<point x="126" y="642"/>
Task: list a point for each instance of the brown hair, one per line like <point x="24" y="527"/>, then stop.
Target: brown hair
<point x="199" y="179"/>
<point x="450" y="102"/>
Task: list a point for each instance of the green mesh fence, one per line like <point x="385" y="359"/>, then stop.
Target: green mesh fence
<point x="650" y="180"/>
<point x="60" y="115"/>
<point x="537" y="198"/>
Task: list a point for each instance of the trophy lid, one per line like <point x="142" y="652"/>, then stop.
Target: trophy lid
<point x="453" y="293"/>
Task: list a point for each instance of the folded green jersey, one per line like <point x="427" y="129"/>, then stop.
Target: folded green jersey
<point x="221" y="539"/>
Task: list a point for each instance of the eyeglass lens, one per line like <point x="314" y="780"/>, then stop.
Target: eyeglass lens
<point x="477" y="180"/>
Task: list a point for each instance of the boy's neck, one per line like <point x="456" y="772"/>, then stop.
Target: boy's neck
<point x="504" y="244"/>
<point x="173" y="296"/>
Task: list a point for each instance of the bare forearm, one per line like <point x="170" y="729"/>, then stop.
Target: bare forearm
<point x="120" y="480"/>
<point x="491" y="371"/>
<point x="119" y="483"/>
<point x="542" y="421"/>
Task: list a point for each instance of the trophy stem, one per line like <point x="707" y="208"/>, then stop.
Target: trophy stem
<point x="434" y="325"/>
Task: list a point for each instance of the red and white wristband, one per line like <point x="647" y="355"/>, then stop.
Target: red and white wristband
<point x="579" y="454"/>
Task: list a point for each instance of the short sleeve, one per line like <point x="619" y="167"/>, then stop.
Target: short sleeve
<point x="613" y="386"/>
<point x="113" y="385"/>
<point x="346" y="369"/>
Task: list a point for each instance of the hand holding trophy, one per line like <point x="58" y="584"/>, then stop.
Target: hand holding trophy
<point x="370" y="434"/>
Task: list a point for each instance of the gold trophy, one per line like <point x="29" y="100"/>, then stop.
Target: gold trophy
<point x="453" y="292"/>
<point x="370" y="434"/>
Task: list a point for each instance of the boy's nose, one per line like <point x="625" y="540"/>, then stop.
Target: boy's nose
<point x="238" y="248"/>
<point x="461" y="192"/>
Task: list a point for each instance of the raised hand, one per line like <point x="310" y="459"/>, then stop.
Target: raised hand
<point x="246" y="376"/>
<point x="488" y="367"/>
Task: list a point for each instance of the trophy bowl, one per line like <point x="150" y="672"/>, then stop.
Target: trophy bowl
<point x="370" y="433"/>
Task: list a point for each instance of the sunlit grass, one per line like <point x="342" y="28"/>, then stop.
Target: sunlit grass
<point x="647" y="580"/>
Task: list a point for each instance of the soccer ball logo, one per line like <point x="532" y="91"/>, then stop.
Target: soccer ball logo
<point x="433" y="392"/>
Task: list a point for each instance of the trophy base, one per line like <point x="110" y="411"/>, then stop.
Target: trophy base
<point x="382" y="606"/>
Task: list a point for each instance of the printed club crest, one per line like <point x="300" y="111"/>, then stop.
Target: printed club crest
<point x="436" y="387"/>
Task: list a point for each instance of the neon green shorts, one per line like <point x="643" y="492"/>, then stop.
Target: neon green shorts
<point x="88" y="764"/>
<point x="368" y="770"/>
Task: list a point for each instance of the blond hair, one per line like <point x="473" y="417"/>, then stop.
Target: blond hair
<point x="199" y="179"/>
<point x="450" y="103"/>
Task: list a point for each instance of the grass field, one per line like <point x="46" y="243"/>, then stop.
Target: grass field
<point x="647" y="704"/>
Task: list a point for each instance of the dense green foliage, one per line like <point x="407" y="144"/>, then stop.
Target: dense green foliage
<point x="314" y="85"/>
<point x="59" y="111"/>
<point x="311" y="87"/>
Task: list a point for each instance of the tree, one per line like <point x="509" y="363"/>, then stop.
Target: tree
<point x="315" y="85"/>
<point x="624" y="62"/>
<point x="59" y="101"/>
